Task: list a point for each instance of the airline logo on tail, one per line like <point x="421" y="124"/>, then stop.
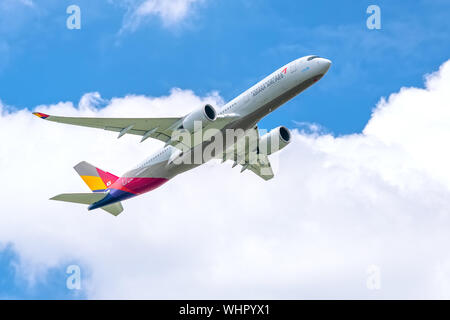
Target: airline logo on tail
<point x="96" y="179"/>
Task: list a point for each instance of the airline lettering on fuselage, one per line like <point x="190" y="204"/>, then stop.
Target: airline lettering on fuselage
<point x="267" y="84"/>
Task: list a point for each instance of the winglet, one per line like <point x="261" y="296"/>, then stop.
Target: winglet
<point x="41" y="115"/>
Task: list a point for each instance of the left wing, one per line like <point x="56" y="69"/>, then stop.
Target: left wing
<point x="156" y="128"/>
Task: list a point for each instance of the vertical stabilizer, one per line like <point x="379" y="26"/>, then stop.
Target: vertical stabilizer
<point x="96" y="179"/>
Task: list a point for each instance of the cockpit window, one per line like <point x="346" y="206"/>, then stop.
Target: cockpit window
<point x="312" y="57"/>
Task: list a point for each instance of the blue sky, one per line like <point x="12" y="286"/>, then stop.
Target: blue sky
<point x="221" y="45"/>
<point x="226" y="46"/>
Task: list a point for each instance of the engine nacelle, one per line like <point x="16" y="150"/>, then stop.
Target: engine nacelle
<point x="275" y="140"/>
<point x="204" y="115"/>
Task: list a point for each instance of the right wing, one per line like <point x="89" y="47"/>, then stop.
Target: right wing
<point x="262" y="168"/>
<point x="246" y="153"/>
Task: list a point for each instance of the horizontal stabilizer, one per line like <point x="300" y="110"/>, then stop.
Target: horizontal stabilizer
<point x="115" y="209"/>
<point x="83" y="198"/>
<point x="90" y="198"/>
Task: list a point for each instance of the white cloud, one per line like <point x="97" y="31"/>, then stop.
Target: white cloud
<point x="171" y="12"/>
<point x="336" y="206"/>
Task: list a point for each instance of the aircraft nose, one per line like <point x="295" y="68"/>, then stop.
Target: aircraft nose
<point x="324" y="64"/>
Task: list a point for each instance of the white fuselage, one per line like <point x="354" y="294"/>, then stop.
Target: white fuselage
<point x="249" y="107"/>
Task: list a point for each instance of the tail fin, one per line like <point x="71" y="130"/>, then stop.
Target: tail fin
<point x="96" y="179"/>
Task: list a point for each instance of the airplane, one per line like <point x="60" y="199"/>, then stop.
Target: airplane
<point x="242" y="113"/>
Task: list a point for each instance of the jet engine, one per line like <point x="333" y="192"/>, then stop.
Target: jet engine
<point x="204" y="115"/>
<point x="275" y="140"/>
